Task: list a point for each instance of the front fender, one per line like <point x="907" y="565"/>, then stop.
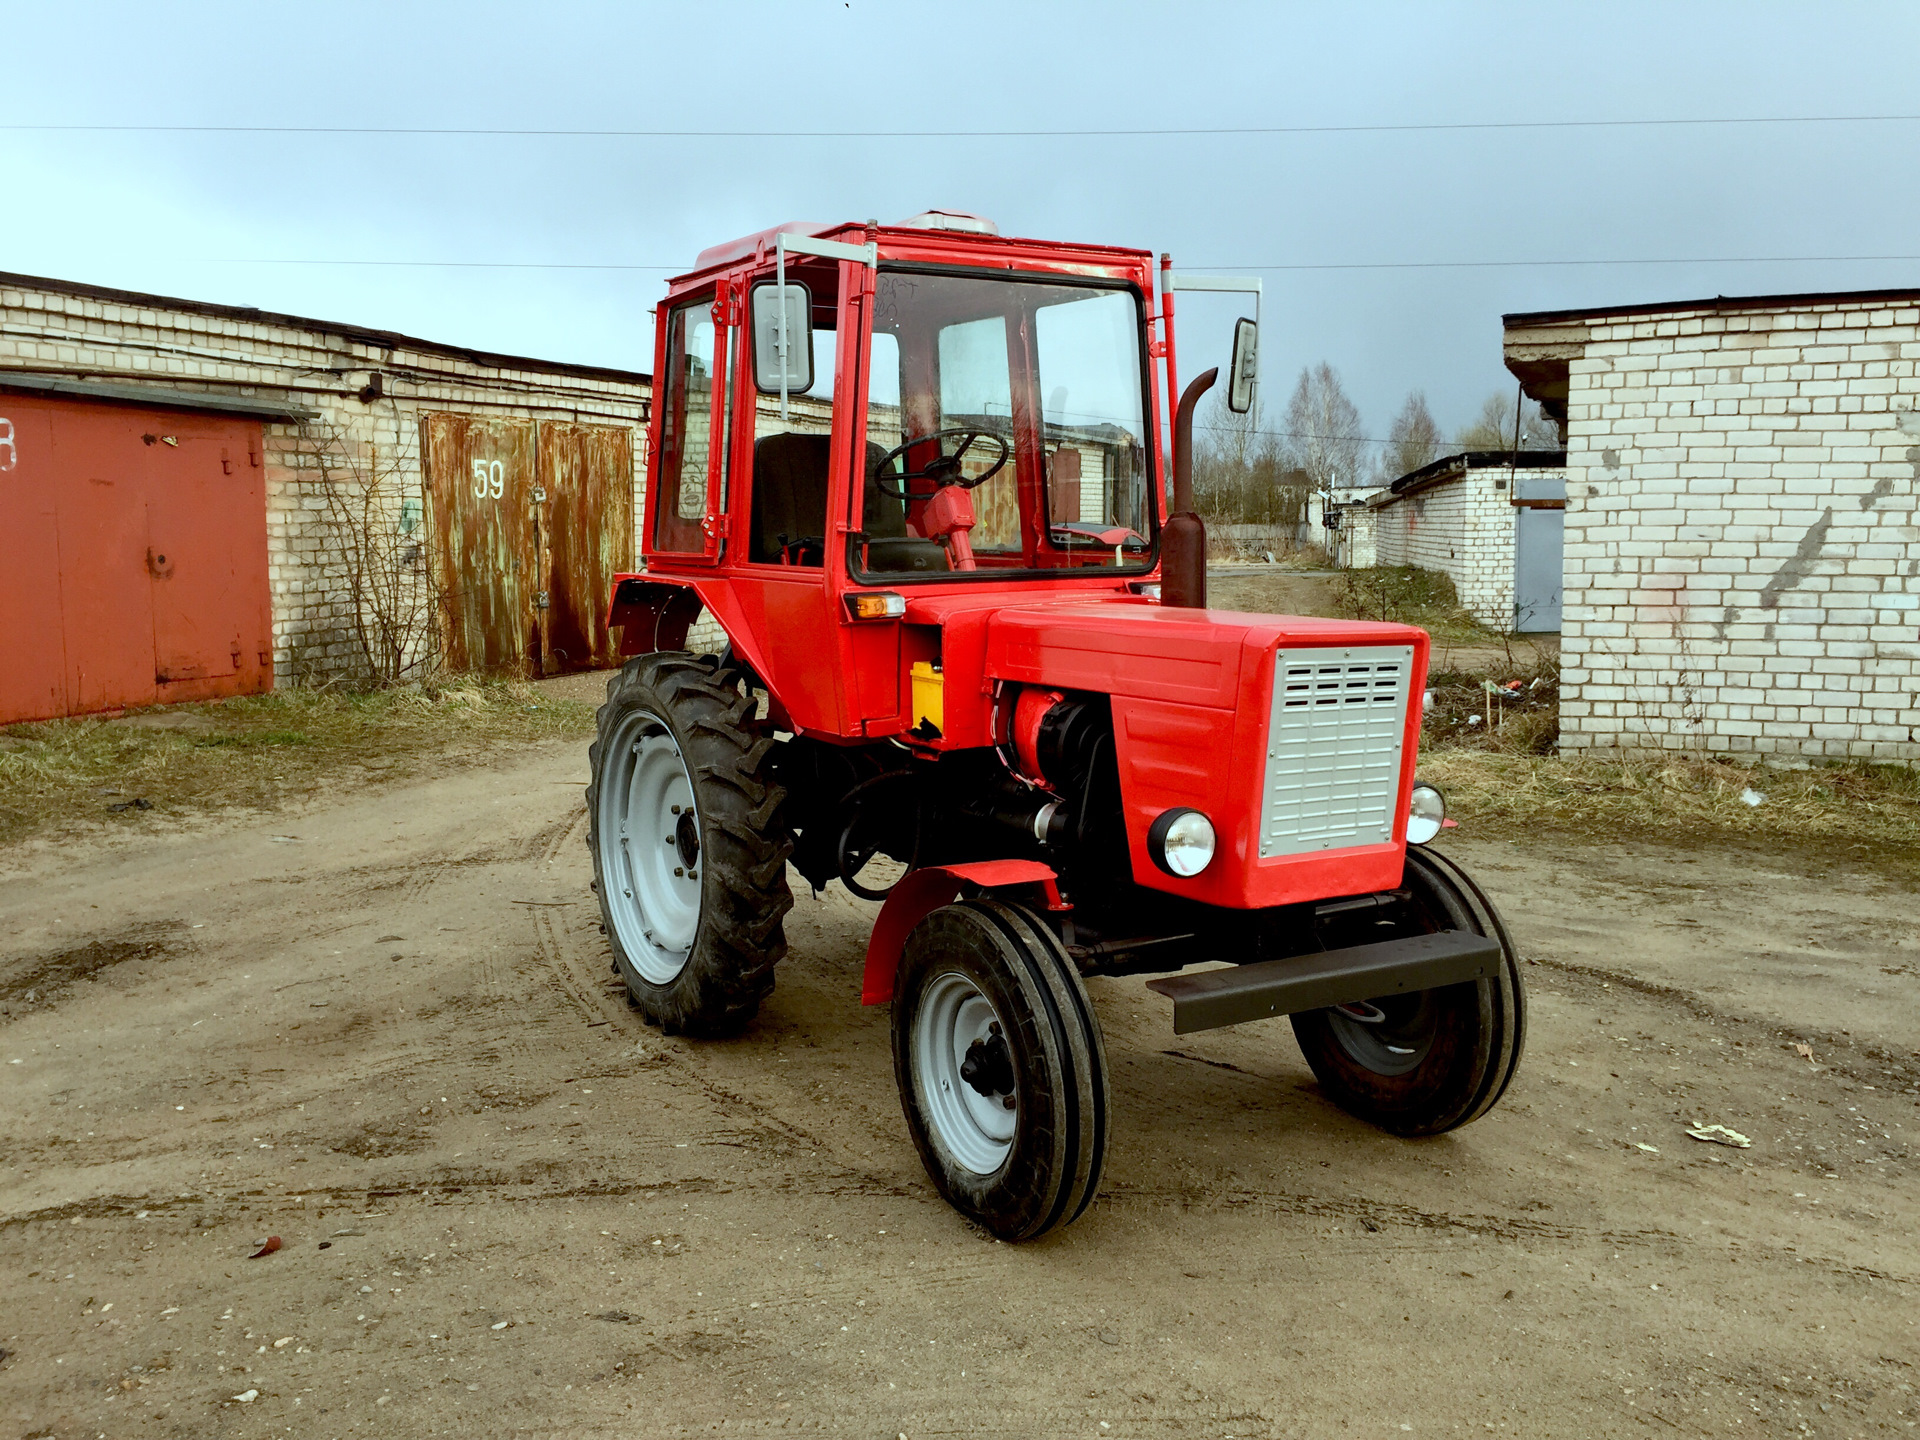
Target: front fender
<point x="921" y="892"/>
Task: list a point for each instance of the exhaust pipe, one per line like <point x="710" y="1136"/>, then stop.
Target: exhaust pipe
<point x="1183" y="539"/>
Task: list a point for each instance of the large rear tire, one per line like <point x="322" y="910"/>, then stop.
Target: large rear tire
<point x="689" y="859"/>
<point x="1434" y="1060"/>
<point x="1001" y="1068"/>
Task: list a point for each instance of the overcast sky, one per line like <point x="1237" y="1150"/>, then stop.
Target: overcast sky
<point x="223" y="217"/>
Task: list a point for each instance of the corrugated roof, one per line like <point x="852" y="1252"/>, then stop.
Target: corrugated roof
<point x="1448" y="465"/>
<point x="220" y="402"/>
<point x="1717" y="302"/>
<point x="385" y="339"/>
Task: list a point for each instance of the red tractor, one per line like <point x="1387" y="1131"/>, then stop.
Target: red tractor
<point x="916" y="473"/>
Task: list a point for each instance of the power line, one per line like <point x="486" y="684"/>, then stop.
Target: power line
<point x="1529" y="264"/>
<point x="1446" y="446"/>
<point x="1209" y="265"/>
<point x="1132" y="133"/>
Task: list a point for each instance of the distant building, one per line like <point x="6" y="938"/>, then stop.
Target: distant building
<point x="192" y="492"/>
<point x="1742" y="529"/>
<point x="1488" y="519"/>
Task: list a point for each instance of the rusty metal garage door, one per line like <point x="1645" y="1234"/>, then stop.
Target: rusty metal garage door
<point x="133" y="557"/>
<point x="480" y="477"/>
<point x="587" y="474"/>
<point x="530" y="524"/>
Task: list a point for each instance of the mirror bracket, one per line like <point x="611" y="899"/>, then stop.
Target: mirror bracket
<point x="867" y="254"/>
<point x="1240" y="386"/>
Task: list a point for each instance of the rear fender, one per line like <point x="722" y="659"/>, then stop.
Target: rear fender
<point x="918" y="894"/>
<point x="651" y="614"/>
<point x="655" y="612"/>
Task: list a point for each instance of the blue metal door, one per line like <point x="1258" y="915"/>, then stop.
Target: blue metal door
<point x="1538" y="555"/>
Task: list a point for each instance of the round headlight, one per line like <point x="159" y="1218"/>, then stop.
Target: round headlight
<point x="1181" y="842"/>
<point x="1425" y="811"/>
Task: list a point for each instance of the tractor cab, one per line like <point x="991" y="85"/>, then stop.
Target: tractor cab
<point x="852" y="416"/>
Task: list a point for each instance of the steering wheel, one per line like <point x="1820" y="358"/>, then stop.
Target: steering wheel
<point x="942" y="469"/>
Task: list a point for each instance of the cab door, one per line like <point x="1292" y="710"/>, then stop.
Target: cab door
<point x="690" y="474"/>
<point x="790" y="489"/>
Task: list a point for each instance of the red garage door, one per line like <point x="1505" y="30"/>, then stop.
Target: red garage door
<point x="133" y="557"/>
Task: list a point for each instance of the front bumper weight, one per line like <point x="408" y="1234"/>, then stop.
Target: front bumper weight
<point x="1208" y="999"/>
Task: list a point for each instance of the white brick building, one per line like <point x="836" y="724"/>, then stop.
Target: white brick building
<point x="1469" y="517"/>
<point x="1742" y="542"/>
<point x="330" y="395"/>
<point x="1352" y="542"/>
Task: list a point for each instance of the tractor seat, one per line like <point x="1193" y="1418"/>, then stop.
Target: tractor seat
<point x="789" y="499"/>
<point x="790" y="509"/>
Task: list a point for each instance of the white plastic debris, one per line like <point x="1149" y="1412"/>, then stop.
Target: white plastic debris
<point x="247" y="1397"/>
<point x="1426" y="701"/>
<point x="1718" y="1135"/>
<point x="1473" y="720"/>
<point x="1650" y="1149"/>
<point x="1751" y="796"/>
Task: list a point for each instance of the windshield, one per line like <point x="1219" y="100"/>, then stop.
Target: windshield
<point x="1026" y="399"/>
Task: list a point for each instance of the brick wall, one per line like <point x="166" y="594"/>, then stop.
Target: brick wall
<point x="1462" y="525"/>
<point x="1356" y="543"/>
<point x="1742" y="541"/>
<point x="88" y="334"/>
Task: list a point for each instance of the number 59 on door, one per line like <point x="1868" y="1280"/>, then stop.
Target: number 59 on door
<point x="489" y="479"/>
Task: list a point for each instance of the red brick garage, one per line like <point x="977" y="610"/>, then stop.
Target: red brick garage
<point x="133" y="556"/>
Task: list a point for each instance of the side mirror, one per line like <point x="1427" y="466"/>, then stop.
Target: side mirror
<point x="1245" y="368"/>
<point x="767" y="307"/>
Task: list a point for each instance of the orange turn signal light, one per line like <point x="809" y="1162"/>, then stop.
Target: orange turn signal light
<point x="876" y="605"/>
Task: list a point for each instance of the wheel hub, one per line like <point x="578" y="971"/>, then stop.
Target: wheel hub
<point x="988" y="1067"/>
<point x="1389" y="1036"/>
<point x="686" y="839"/>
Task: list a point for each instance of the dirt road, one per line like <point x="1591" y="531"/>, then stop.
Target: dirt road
<point x="385" y="1032"/>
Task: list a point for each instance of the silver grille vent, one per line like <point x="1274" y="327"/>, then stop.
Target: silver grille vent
<point x="1333" y="748"/>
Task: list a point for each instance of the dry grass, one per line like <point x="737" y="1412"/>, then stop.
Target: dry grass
<point x="256" y="753"/>
<point x="1285" y="555"/>
<point x="1851" y="807"/>
<point x="1410" y="596"/>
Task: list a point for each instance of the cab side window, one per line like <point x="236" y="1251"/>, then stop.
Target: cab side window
<point x="791" y="456"/>
<point x="695" y="386"/>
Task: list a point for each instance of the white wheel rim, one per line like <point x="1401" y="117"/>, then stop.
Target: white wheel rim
<point x="977" y="1130"/>
<point x="646" y="816"/>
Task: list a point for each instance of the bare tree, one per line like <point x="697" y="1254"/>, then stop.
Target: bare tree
<point x="1324" y="436"/>
<point x="1413" y="441"/>
<point x="1239" y="476"/>
<point x="378" y="552"/>
<point x="1493" y="428"/>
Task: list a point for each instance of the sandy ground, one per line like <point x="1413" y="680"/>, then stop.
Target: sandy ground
<point x="384" y="1031"/>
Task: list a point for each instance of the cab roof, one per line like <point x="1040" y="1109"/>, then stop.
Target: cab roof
<point x="925" y="243"/>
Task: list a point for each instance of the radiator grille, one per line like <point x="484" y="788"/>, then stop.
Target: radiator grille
<point x="1333" y="748"/>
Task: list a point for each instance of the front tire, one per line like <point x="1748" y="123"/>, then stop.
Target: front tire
<point x="1001" y="1068"/>
<point x="1431" y="1061"/>
<point x="688" y="857"/>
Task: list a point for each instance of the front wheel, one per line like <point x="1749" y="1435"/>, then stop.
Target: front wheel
<point x="1001" y="1068"/>
<point x="1422" y="1063"/>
